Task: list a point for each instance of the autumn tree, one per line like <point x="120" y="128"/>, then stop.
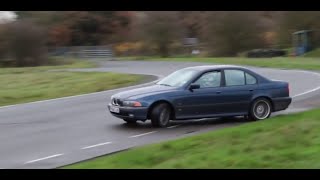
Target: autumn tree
<point x="59" y="35"/>
<point x="77" y="28"/>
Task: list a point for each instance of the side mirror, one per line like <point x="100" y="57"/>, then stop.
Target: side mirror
<point x="194" y="86"/>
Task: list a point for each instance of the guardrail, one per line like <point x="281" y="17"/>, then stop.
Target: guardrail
<point x="83" y="51"/>
<point x="96" y="53"/>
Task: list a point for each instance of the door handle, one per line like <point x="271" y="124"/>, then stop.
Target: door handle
<point x="251" y="90"/>
<point x="218" y="92"/>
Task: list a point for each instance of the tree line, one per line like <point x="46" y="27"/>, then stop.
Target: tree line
<point x="223" y="33"/>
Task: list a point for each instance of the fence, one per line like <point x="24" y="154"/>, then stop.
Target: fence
<point x="83" y="51"/>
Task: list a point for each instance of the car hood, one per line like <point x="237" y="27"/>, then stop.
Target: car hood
<point x="144" y="91"/>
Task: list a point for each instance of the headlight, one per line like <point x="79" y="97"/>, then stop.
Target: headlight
<point x="132" y="103"/>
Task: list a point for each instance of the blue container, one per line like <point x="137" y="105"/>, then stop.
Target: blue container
<point x="300" y="50"/>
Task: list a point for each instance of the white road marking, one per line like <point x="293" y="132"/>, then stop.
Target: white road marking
<point x="308" y="72"/>
<point x="310" y="91"/>
<point x="173" y="126"/>
<point x="306" y="92"/>
<point x="96" y="145"/>
<point x="142" y="134"/>
<point x="36" y="160"/>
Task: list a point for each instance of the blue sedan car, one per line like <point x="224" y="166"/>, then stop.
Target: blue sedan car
<point x="203" y="92"/>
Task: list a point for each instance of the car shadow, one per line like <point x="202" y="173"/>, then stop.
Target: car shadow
<point x="197" y="122"/>
<point x="211" y="121"/>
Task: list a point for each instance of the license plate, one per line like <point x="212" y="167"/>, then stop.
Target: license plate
<point x="114" y="109"/>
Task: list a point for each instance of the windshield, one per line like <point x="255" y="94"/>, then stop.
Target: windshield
<point x="178" y="78"/>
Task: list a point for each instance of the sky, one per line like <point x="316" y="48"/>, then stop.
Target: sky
<point x="6" y="16"/>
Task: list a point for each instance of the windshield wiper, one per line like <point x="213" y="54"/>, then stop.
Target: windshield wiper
<point x="166" y="85"/>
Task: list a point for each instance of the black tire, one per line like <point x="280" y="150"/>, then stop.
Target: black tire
<point x="160" y="115"/>
<point x="130" y="121"/>
<point x="247" y="118"/>
<point x="260" y="109"/>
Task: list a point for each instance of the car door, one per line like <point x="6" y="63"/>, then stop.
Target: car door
<point x="237" y="90"/>
<point x="201" y="102"/>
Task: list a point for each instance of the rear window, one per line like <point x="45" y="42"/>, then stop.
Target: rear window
<point x="234" y="77"/>
<point x="250" y="79"/>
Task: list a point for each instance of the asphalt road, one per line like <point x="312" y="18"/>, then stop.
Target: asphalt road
<point x="54" y="133"/>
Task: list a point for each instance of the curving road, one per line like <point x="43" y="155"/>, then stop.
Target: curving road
<point x="53" y="133"/>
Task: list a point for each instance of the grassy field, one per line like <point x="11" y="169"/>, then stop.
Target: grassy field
<point x="291" y="141"/>
<point x="279" y="62"/>
<point x="21" y="85"/>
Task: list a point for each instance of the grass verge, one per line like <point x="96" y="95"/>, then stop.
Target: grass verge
<point x="313" y="53"/>
<point x="291" y="141"/>
<point x="21" y="85"/>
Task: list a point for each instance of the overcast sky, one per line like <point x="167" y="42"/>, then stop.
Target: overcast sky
<point x="7" y="16"/>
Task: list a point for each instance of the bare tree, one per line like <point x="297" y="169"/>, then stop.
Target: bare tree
<point x="292" y="21"/>
<point x="27" y="44"/>
<point x="194" y="23"/>
<point x="3" y="45"/>
<point x="161" y="29"/>
<point x="232" y="32"/>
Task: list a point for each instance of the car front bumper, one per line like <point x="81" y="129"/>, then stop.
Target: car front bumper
<point x="281" y="103"/>
<point x="135" y="113"/>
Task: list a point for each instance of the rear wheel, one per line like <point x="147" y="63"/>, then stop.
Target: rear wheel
<point x="130" y="121"/>
<point x="160" y="115"/>
<point x="260" y="109"/>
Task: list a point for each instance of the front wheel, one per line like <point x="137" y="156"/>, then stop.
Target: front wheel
<point x="160" y="115"/>
<point x="260" y="109"/>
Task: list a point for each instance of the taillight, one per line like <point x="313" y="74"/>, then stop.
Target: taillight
<point x="288" y="89"/>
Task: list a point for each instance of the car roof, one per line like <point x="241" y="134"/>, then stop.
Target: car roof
<point x="215" y="67"/>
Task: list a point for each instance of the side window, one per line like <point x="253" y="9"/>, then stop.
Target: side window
<point x="209" y="79"/>
<point x="250" y="79"/>
<point x="234" y="77"/>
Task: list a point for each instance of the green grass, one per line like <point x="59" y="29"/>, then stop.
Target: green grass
<point x="314" y="53"/>
<point x="58" y="63"/>
<point x="279" y="62"/>
<point x="21" y="85"/>
<point x="291" y="141"/>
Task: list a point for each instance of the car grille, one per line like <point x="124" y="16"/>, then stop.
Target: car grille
<point x="116" y="102"/>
